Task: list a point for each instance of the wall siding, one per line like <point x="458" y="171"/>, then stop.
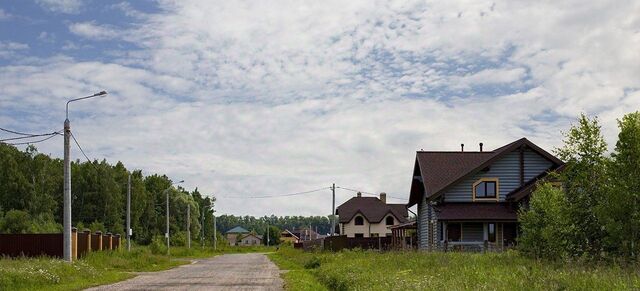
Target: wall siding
<point x="507" y="170"/>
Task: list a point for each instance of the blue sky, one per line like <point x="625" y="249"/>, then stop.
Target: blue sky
<point x="261" y="98"/>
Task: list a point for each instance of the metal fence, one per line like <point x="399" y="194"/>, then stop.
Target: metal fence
<point x="51" y="244"/>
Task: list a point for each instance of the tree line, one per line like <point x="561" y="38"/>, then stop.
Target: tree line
<point x="31" y="187"/>
<point x="591" y="207"/>
<point x="259" y="224"/>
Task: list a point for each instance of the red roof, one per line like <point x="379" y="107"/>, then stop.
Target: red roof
<point x="476" y="211"/>
<point x="372" y="208"/>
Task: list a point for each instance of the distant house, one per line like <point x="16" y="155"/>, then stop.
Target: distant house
<point x="305" y="233"/>
<point x="470" y="199"/>
<point x="369" y="216"/>
<point x="250" y="239"/>
<point x="288" y="236"/>
<point x="234" y="235"/>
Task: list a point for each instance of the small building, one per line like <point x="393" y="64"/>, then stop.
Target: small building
<point x="250" y="239"/>
<point x="370" y="216"/>
<point x="306" y="233"/>
<point x="288" y="236"/>
<point x="234" y="235"/>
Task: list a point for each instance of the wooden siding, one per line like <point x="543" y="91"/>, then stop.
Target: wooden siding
<point x="507" y="170"/>
<point x="534" y="164"/>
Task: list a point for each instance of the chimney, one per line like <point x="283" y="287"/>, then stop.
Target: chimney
<point x="383" y="197"/>
<point x="359" y="194"/>
<point x="480" y="147"/>
<point x="462" y="147"/>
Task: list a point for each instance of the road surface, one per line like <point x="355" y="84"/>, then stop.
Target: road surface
<point x="226" y="272"/>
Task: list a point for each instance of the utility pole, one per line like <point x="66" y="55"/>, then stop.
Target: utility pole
<point x="66" y="216"/>
<point x="167" y="232"/>
<point x="129" y="214"/>
<point x="188" y="226"/>
<point x="333" y="210"/>
<point x="215" y="231"/>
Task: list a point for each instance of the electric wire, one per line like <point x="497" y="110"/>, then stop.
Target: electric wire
<point x="369" y="193"/>
<point x="29" y="136"/>
<point x="81" y="150"/>
<point x="32" y="142"/>
<point x="280" y="195"/>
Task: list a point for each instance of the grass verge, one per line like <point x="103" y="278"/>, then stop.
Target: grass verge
<point x="370" y="270"/>
<point x="98" y="268"/>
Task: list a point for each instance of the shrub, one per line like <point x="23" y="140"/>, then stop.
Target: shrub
<point x="158" y="245"/>
<point x="312" y="263"/>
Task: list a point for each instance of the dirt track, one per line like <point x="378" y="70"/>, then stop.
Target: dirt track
<point x="226" y="272"/>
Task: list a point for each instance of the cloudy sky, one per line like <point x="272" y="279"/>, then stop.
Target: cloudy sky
<point x="255" y="98"/>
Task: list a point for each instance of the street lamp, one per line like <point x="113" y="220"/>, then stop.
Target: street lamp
<point x="66" y="217"/>
<point x="167" y="233"/>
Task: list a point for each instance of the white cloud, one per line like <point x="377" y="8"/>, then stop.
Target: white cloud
<point x="93" y="31"/>
<point x="258" y="98"/>
<point x="62" y="6"/>
<point x="9" y="49"/>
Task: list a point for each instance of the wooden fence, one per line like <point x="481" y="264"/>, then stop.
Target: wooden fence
<point x="337" y="243"/>
<point x="51" y="244"/>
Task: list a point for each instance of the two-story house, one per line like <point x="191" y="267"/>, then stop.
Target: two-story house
<point x="369" y="216"/>
<point x="471" y="199"/>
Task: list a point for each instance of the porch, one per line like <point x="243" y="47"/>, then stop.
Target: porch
<point x="477" y="236"/>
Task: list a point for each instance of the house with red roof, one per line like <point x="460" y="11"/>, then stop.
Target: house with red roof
<point x="369" y="216"/>
<point x="470" y="199"/>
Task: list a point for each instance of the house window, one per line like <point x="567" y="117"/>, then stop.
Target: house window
<point x="491" y="230"/>
<point x="454" y="231"/>
<point x="375" y="234"/>
<point x="486" y="188"/>
<point x="359" y="235"/>
<point x="359" y="220"/>
<point x="389" y="220"/>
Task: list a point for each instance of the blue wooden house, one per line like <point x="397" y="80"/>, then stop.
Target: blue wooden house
<point x="469" y="199"/>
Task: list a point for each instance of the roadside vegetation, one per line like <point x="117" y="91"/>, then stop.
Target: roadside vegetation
<point x="372" y="270"/>
<point x="99" y="268"/>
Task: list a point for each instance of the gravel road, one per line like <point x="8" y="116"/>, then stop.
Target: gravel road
<point x="226" y="272"/>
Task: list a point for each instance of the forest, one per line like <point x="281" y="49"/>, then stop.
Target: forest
<point x="31" y="185"/>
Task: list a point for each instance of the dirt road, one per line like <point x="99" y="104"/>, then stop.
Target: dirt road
<point x="226" y="272"/>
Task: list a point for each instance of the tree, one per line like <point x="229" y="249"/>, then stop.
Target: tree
<point x="273" y="234"/>
<point x="546" y="227"/>
<point x="585" y="183"/>
<point x="620" y="212"/>
<point x="15" y="221"/>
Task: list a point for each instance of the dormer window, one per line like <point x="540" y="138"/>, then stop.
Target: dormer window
<point x="389" y="220"/>
<point x="359" y="220"/>
<point x="486" y="189"/>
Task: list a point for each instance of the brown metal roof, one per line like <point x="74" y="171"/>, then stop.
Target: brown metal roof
<point x="371" y="208"/>
<point x="439" y="170"/>
<point x="476" y="211"/>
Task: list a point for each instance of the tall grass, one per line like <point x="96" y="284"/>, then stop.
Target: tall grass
<point x="370" y="270"/>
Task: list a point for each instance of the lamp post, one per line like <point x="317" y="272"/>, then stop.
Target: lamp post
<point x="66" y="217"/>
<point x="167" y="233"/>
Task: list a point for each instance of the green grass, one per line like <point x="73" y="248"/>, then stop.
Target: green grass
<point x="370" y="270"/>
<point x="99" y="268"/>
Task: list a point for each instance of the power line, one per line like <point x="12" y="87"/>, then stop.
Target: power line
<point x="369" y="193"/>
<point x="29" y="136"/>
<point x="32" y="142"/>
<point x="281" y="195"/>
<point x="76" y="141"/>
<point x="17" y="132"/>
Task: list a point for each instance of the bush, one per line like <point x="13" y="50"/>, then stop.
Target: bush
<point x="158" y="245"/>
<point x="313" y="263"/>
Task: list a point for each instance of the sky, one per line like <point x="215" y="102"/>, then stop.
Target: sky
<point x="260" y="98"/>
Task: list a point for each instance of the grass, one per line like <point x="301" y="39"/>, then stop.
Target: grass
<point x="370" y="270"/>
<point x="99" y="268"/>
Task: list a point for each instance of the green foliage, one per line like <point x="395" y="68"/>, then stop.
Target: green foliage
<point x="620" y="211"/>
<point x="259" y="224"/>
<point x="15" y="221"/>
<point x="372" y="270"/>
<point x="274" y="236"/>
<point x="158" y="245"/>
<point x="546" y="227"/>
